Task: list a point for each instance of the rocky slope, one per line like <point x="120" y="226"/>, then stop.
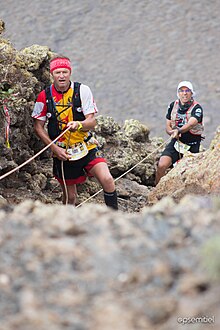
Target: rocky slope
<point x="25" y="73"/>
<point x="90" y="268"/>
<point x="132" y="53"/>
<point x="195" y="173"/>
<point x="93" y="269"/>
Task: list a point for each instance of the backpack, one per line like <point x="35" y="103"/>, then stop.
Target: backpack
<point x="52" y="114"/>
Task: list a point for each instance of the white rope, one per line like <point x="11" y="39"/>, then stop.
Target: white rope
<point x="130" y="169"/>
<point x="47" y="146"/>
<point x="30" y="159"/>
<point x="63" y="175"/>
<point x="64" y="184"/>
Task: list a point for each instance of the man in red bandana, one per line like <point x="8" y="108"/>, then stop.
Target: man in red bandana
<point x="75" y="154"/>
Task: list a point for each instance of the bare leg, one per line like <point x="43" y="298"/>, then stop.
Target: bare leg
<point x="101" y="172"/>
<point x="163" y="165"/>
<point x="71" y="194"/>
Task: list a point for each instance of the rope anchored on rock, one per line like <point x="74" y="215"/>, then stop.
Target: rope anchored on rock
<point x="30" y="159"/>
<point x="129" y="170"/>
<point x="91" y="197"/>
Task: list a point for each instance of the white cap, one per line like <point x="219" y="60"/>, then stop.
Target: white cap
<point x="185" y="84"/>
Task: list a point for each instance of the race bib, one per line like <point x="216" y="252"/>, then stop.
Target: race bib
<point x="77" y="151"/>
<point x="180" y="147"/>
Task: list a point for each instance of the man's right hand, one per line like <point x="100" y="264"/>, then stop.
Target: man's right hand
<point x="175" y="134"/>
<point x="60" y="153"/>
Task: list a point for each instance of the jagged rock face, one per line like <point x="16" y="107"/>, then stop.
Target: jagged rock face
<point x="91" y="268"/>
<point x="24" y="74"/>
<point x="2" y="26"/>
<point x="144" y="48"/>
<point x="95" y="269"/>
<point x="195" y="173"/>
<point x="18" y="89"/>
<point x="125" y="147"/>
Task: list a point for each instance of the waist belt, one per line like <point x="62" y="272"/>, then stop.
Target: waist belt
<point x="181" y="147"/>
<point x="77" y="151"/>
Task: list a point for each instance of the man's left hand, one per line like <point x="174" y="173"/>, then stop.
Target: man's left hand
<point x="73" y="126"/>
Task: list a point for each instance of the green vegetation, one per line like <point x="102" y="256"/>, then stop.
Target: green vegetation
<point x="211" y="257"/>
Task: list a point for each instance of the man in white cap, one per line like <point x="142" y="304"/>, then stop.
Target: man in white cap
<point x="184" y="125"/>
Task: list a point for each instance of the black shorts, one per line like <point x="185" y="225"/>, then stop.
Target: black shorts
<point x="77" y="171"/>
<point x="174" y="155"/>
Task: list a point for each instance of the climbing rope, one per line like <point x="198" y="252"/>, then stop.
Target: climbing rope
<point x="47" y="146"/>
<point x="63" y="174"/>
<point x="130" y="169"/>
<point x="30" y="159"/>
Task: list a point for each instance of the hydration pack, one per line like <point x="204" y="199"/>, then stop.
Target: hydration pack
<point x="52" y="113"/>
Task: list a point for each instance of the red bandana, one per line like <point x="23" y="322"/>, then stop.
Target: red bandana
<point x="58" y="63"/>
